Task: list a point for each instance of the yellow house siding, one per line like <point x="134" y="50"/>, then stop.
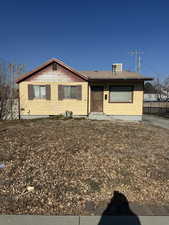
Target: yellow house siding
<point x="53" y="106"/>
<point x="134" y="108"/>
<point x="78" y="107"/>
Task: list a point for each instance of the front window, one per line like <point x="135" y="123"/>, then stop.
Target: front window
<point x="121" y="94"/>
<point x="70" y="92"/>
<point x="39" y="91"/>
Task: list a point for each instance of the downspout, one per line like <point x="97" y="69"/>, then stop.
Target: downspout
<point x="19" y="114"/>
<point x="88" y="99"/>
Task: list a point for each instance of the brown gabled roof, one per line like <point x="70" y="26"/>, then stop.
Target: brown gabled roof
<point x="26" y="75"/>
<point x="88" y="75"/>
<point x="108" y="75"/>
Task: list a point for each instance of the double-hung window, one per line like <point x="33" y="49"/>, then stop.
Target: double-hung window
<point x="69" y="92"/>
<point x="39" y="91"/>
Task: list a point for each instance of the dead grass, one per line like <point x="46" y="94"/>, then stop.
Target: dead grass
<point x="71" y="163"/>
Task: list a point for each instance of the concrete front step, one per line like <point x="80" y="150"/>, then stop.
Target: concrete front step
<point x="102" y="116"/>
<point x="98" y="116"/>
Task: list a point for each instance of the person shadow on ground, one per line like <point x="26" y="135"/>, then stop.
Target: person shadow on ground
<point x="118" y="212"/>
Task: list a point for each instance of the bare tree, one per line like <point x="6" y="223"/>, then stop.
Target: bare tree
<point x="8" y="89"/>
<point x="4" y="92"/>
<point x="158" y="85"/>
<point x="166" y="86"/>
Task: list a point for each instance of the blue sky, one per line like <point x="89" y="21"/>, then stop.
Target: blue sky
<point x="86" y="34"/>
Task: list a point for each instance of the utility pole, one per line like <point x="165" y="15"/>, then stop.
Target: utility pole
<point x="11" y="88"/>
<point x="137" y="55"/>
<point x="12" y="70"/>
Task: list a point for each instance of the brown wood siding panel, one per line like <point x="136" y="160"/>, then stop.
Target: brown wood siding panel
<point x="48" y="92"/>
<point x="30" y="92"/>
<point x="60" y="92"/>
<point x="97" y="98"/>
<point x="79" y="92"/>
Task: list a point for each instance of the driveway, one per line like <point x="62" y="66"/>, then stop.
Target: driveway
<point x="156" y="121"/>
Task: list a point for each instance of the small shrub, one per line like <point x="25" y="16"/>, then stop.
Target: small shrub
<point x="94" y="186"/>
<point x="68" y="114"/>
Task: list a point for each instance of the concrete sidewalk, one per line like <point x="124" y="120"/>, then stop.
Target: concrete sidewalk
<point x="83" y="220"/>
<point x="156" y="121"/>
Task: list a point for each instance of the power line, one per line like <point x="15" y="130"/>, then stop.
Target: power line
<point x="152" y="70"/>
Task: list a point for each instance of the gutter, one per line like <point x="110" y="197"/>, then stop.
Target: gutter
<point x="121" y="79"/>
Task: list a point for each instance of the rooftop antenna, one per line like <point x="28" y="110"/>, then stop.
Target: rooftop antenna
<point x="137" y="54"/>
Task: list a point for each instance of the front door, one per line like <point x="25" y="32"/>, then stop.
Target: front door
<point x="97" y="98"/>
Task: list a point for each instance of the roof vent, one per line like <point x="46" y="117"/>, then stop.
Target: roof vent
<point x="54" y="66"/>
<point x="117" y="67"/>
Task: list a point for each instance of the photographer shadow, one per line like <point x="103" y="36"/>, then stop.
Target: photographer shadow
<point x="119" y="212"/>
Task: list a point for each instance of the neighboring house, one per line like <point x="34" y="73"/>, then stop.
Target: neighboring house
<point x="150" y="93"/>
<point x="54" y="87"/>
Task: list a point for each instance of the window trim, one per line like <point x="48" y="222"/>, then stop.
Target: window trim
<point x="40" y="91"/>
<point x="132" y="90"/>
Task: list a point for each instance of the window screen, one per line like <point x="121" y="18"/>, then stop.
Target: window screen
<point x="121" y="94"/>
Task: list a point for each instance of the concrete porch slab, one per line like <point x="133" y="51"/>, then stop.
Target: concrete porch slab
<point x="96" y="116"/>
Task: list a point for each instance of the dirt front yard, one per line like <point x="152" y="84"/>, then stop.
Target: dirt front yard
<point x="72" y="167"/>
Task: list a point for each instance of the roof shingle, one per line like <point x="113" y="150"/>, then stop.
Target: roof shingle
<point x="108" y="75"/>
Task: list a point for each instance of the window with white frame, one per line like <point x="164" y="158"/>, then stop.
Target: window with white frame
<point x="120" y="94"/>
